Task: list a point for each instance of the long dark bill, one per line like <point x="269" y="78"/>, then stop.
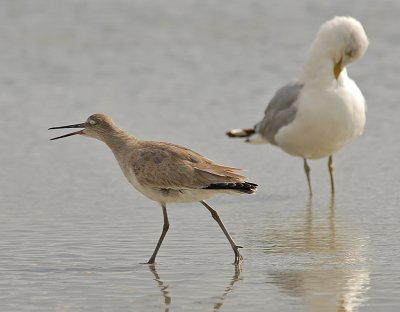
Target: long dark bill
<point x="82" y="125"/>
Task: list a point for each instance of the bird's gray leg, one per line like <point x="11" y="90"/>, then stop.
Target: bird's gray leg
<point x="214" y="214"/>
<point x="307" y="171"/>
<point x="164" y="232"/>
<point x="331" y="167"/>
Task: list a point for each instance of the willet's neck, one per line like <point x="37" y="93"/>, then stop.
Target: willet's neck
<point x="118" y="139"/>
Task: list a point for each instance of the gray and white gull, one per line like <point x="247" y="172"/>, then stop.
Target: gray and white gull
<point x="317" y="115"/>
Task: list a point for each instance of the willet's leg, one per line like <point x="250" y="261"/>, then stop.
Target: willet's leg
<point x="214" y="214"/>
<point x="307" y="171"/>
<point x="331" y="167"/>
<point x="164" y="232"/>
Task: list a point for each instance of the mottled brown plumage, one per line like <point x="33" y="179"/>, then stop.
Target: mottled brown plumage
<point x="166" y="172"/>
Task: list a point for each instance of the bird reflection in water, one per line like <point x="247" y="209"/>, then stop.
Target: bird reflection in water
<point x="162" y="286"/>
<point x="327" y="269"/>
<point x="217" y="306"/>
<point x="229" y="288"/>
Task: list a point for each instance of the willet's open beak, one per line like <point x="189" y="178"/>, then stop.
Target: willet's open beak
<point x="82" y="125"/>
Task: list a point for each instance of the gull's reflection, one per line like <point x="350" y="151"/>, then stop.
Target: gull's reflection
<point x="327" y="268"/>
<point x="229" y="288"/>
<point x="162" y="286"/>
<point x="318" y="237"/>
<point x="217" y="306"/>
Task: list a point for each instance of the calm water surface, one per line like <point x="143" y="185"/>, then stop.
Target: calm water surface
<point x="73" y="232"/>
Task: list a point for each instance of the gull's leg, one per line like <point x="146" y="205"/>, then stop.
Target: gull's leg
<point x="307" y="171"/>
<point x="331" y="171"/>
<point x="164" y="232"/>
<point x="214" y="214"/>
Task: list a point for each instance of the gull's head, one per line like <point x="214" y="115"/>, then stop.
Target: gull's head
<point x="343" y="40"/>
<point x="98" y="126"/>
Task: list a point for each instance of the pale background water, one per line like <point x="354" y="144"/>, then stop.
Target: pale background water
<point x="73" y="232"/>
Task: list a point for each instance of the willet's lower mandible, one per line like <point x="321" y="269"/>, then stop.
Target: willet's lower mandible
<point x="165" y="172"/>
<point x="325" y="110"/>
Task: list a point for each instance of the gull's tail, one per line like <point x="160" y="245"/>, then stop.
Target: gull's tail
<point x="241" y="133"/>
<point x="249" y="133"/>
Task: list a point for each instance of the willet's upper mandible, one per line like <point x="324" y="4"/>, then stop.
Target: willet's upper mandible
<point x="165" y="172"/>
<point x="318" y="115"/>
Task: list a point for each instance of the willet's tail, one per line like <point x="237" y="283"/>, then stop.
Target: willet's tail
<point x="243" y="187"/>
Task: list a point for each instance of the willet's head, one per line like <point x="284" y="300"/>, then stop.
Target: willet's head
<point x="98" y="126"/>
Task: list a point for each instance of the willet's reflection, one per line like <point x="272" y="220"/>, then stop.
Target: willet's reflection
<point x="229" y="288"/>
<point x="162" y="286"/>
<point x="217" y="306"/>
<point x="326" y="269"/>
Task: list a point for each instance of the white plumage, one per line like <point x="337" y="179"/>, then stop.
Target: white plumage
<point x="323" y="111"/>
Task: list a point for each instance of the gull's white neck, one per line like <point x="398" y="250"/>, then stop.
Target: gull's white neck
<point x="318" y="70"/>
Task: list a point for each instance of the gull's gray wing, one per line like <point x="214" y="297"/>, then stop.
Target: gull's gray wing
<point x="280" y="111"/>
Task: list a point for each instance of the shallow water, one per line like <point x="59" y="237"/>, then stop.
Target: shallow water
<point x="73" y="231"/>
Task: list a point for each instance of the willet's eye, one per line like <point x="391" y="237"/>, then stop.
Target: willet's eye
<point x="92" y="122"/>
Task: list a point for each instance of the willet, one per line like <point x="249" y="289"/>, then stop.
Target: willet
<point x="165" y="172"/>
<point x="319" y="114"/>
